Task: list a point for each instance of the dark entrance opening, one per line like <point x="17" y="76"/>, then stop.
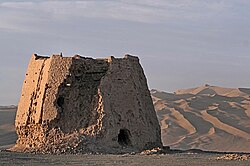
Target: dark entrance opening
<point x="60" y="101"/>
<point x="124" y="137"/>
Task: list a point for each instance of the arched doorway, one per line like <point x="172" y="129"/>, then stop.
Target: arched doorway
<point x="124" y="137"/>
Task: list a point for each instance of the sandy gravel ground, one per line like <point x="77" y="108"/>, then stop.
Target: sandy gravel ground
<point x="8" y="158"/>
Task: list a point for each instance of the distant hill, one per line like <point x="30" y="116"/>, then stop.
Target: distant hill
<point x="206" y="117"/>
<point x="8" y="107"/>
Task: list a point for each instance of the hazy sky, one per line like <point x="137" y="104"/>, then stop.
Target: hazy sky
<point x="181" y="43"/>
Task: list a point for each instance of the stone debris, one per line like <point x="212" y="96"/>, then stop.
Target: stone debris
<point x="157" y="150"/>
<point x="239" y="157"/>
<point x="151" y="151"/>
<point x="85" y="105"/>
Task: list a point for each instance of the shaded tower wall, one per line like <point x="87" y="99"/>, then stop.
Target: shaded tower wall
<point x="128" y="105"/>
<point x="85" y="104"/>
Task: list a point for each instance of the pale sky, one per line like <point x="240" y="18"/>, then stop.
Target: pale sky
<point x="181" y="43"/>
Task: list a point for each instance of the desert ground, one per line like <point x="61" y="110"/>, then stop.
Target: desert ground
<point x="208" y="118"/>
<point x="10" y="158"/>
<point x="7" y="131"/>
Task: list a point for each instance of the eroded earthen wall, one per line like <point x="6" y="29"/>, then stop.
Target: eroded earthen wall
<point x="33" y="91"/>
<point x="80" y="104"/>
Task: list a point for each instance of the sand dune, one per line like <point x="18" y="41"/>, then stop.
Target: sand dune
<point x="184" y="123"/>
<point x="207" y="89"/>
<point x="206" y="117"/>
<point x="227" y="128"/>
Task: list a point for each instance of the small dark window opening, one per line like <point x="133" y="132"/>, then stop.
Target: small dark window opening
<point x="60" y="101"/>
<point x="124" y="137"/>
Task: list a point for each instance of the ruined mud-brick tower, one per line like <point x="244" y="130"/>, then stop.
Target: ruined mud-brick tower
<point x="83" y="104"/>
